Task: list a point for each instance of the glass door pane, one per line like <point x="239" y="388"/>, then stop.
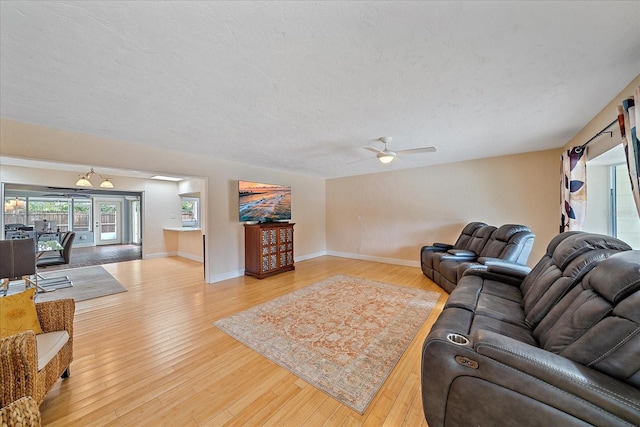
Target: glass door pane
<point x="107" y="231"/>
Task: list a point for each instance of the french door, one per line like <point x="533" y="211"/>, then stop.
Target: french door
<point x="108" y="222"/>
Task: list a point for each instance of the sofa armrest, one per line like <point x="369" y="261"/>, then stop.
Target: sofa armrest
<point x="19" y="361"/>
<point x="462" y="253"/>
<point x="436" y="247"/>
<point x="459" y="255"/>
<point x="556" y="371"/>
<point x="505" y="267"/>
<point x="507" y="273"/>
<point x="446" y="246"/>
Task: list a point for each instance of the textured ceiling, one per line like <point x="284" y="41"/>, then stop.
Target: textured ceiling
<point x="303" y="86"/>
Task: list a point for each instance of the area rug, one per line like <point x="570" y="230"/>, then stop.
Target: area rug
<point x="343" y="335"/>
<point x="88" y="283"/>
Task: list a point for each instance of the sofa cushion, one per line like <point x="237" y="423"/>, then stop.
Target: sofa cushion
<point x="572" y="258"/>
<point x="542" y="298"/>
<point x="617" y="279"/>
<point x="467" y="232"/>
<point x="582" y="243"/>
<point x="480" y="239"/>
<point x="510" y="329"/>
<point x="597" y="323"/>
<point x="499" y="242"/>
<point x="48" y="345"/>
<point x="475" y="287"/>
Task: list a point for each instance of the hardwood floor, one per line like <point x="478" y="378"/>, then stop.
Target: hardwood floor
<point x="151" y="356"/>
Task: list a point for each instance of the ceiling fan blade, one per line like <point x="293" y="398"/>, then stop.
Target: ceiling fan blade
<point x="417" y="150"/>
<point x="372" y="149"/>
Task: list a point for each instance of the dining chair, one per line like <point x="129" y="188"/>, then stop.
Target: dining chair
<point x="18" y="260"/>
<point x="63" y="256"/>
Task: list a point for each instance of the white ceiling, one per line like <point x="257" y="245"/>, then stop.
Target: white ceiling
<point x="303" y="86"/>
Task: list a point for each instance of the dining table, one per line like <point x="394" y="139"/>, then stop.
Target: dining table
<point x="49" y="284"/>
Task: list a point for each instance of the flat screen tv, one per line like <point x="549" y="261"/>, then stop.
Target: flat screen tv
<point x="264" y="202"/>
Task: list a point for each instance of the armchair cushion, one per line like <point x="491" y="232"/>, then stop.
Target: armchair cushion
<point x="18" y="314"/>
<point x="22" y="373"/>
<point x="49" y="345"/>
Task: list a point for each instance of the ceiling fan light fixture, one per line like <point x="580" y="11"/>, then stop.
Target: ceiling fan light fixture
<point x="386" y="157"/>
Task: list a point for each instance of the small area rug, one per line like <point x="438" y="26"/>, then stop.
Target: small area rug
<point x="343" y="334"/>
<point x="88" y="283"/>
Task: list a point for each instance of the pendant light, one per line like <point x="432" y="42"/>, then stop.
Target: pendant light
<point x="85" y="180"/>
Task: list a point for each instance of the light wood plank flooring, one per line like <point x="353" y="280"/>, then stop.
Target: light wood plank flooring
<point x="151" y="356"/>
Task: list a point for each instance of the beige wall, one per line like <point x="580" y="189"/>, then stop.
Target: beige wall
<point x="384" y="217"/>
<point x="608" y="114"/>
<point x="225" y="238"/>
<point x="389" y="216"/>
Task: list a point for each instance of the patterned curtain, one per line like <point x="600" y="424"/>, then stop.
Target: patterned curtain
<point x="628" y="118"/>
<point x="573" y="205"/>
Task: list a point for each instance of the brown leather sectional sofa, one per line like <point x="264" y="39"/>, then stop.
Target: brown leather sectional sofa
<point x="559" y="345"/>
<point x="478" y="245"/>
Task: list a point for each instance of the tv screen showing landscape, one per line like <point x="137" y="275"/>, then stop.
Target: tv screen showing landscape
<point x="264" y="202"/>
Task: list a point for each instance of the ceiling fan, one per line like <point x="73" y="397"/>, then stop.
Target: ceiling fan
<point x="386" y="155"/>
<point x="67" y="193"/>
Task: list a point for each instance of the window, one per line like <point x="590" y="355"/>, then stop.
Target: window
<point x="625" y="224"/>
<point x="81" y="215"/>
<point x="28" y="210"/>
<point x="610" y="206"/>
<point x="15" y="210"/>
<point x="55" y="212"/>
<point x="190" y="212"/>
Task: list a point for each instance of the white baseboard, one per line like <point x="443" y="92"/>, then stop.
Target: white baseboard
<point x="310" y="256"/>
<point x="225" y="276"/>
<point x="233" y="274"/>
<point x="190" y="256"/>
<point x="160" y="255"/>
<point x="384" y="260"/>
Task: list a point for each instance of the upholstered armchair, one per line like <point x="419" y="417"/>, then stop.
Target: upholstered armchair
<point x="427" y="253"/>
<point x="30" y="364"/>
<point x="24" y="412"/>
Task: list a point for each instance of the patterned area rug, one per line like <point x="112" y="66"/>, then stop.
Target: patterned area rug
<point x="343" y="335"/>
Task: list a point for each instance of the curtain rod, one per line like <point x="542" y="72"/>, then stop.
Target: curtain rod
<point x="600" y="133"/>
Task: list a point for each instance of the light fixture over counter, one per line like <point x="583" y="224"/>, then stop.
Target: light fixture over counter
<point x="85" y="180"/>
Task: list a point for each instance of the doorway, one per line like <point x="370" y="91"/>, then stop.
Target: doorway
<point x="136" y="221"/>
<point x="108" y="222"/>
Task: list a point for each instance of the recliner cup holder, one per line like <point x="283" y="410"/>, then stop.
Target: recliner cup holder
<point x="458" y="339"/>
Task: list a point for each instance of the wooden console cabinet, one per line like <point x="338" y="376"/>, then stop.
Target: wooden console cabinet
<point x="268" y="249"/>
